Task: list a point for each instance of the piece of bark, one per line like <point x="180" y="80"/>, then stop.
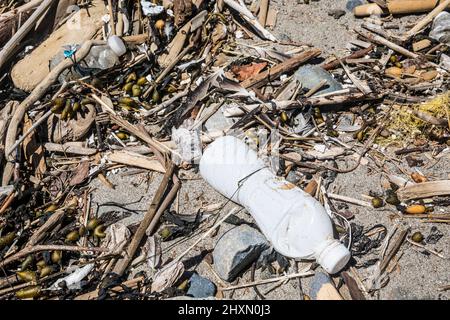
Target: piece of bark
<point x="135" y="160"/>
<point x="29" y="72"/>
<point x="182" y="10"/>
<point x="424" y="190"/>
<point x="274" y="72"/>
<point x="263" y="9"/>
<point x="420" y="45"/>
<point x="352" y="286"/>
<point x="80" y="174"/>
<point x="271" y="19"/>
<point x="358" y="54"/>
<point x="311" y="187"/>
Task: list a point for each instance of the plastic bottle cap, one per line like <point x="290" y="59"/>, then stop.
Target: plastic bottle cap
<point x="116" y="44"/>
<point x="333" y="257"/>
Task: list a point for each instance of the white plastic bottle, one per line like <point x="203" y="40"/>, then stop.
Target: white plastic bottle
<point x="294" y="222"/>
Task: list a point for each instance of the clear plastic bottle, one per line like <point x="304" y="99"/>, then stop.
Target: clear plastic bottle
<point x="106" y="56"/>
<point x="294" y="222"/>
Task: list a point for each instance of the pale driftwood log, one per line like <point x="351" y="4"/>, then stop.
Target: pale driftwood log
<point x="135" y="160"/>
<point x="35" y="95"/>
<point x="70" y="148"/>
<point x="12" y="44"/>
<point x="424" y="190"/>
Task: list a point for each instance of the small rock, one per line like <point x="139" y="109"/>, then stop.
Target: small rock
<point x="200" y="287"/>
<point x="352" y="4"/>
<point x="440" y="30"/>
<point x="336" y="13"/>
<point x="311" y="75"/>
<point x="292" y="177"/>
<point x="236" y="250"/>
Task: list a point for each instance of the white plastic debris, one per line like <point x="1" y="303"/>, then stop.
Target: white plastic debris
<point x="116" y="44"/>
<point x="167" y="276"/>
<point x="188" y="145"/>
<point x="295" y="223"/>
<point x="73" y="280"/>
<point x="440" y="29"/>
<point x="151" y="9"/>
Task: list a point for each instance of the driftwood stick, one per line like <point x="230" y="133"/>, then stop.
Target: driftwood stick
<point x="165" y="204"/>
<point x="29" y="131"/>
<point x="70" y="148"/>
<point x="425" y="248"/>
<point x="28" y="250"/>
<point x="12" y="44"/>
<point x="140" y="134"/>
<point x="265" y="281"/>
<point x="397" y="244"/>
<point x="123" y="263"/>
<point x="425" y="190"/>
<point x="51" y="221"/>
<point x="263" y="9"/>
<point x="380" y="40"/>
<point x="349" y="200"/>
<point x="358" y="54"/>
<point x="111" y="18"/>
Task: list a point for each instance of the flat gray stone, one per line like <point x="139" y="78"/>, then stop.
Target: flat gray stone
<point x="200" y="287"/>
<point x="236" y="250"/>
